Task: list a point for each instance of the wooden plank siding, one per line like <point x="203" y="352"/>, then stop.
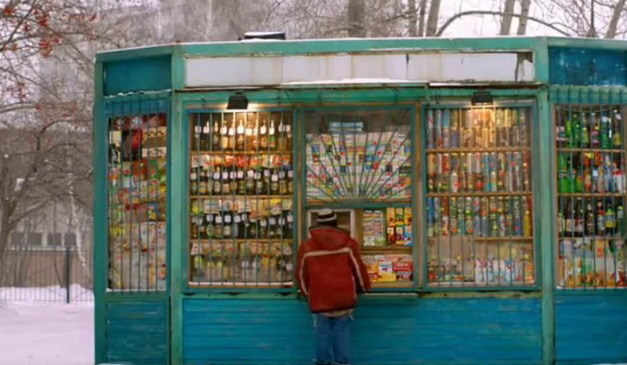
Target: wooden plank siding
<point x="591" y="329"/>
<point x="136" y="332"/>
<point x="386" y="331"/>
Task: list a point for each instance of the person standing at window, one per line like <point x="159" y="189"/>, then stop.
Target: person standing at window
<point x="330" y="273"/>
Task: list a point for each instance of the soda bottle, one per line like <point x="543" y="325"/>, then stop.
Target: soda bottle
<point x="610" y="219"/>
<point x="595" y="131"/>
<point x="589" y="219"/>
<point x="620" y="219"/>
<point x="617" y="135"/>
<point x="606" y="130"/>
<point x="585" y="134"/>
<point x="579" y="218"/>
<point x="527" y="223"/>
<point x="600" y="219"/>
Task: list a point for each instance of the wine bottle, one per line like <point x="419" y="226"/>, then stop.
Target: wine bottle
<point x="281" y="138"/>
<point x="231" y="139"/>
<point x="263" y="135"/>
<point x="241" y="183"/>
<point x="240" y="136"/>
<point x="610" y="219"/>
<point x="600" y="219"/>
<point x="617" y="135"/>
<point x="579" y="218"/>
<point x="215" y="137"/>
<point x="209" y="231"/>
<point x="226" y="183"/>
<point x="217" y="184"/>
<point x="272" y="140"/>
<point x="589" y="219"/>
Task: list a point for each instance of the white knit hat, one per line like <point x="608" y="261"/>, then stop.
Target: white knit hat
<point x="326" y="216"/>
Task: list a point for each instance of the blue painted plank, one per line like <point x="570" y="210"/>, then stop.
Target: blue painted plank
<point x="142" y="74"/>
<point x="584" y="66"/>
<point x="591" y="329"/>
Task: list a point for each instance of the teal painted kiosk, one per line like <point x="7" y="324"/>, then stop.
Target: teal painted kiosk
<point x="484" y="179"/>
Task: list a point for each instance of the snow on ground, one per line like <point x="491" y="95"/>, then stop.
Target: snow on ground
<point x="50" y="333"/>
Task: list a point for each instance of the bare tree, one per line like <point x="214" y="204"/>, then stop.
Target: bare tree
<point x="506" y="21"/>
<point x="612" y="28"/>
<point x="524" y="15"/>
<point x="432" y="20"/>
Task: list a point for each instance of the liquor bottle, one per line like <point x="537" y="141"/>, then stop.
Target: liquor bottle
<point x="259" y="186"/>
<point x="595" y="131"/>
<point x="579" y="181"/>
<point x="501" y="130"/>
<point x="290" y="181"/>
<point x="252" y="142"/>
<point x="585" y="134"/>
<point x="215" y="137"/>
<point x="209" y="231"/>
<point x="250" y="181"/>
<point x="610" y="219"/>
<point x="193" y="182"/>
<point x="289" y="228"/>
<point x="244" y="229"/>
<point x="224" y="136"/>
<point x="568" y="133"/>
<point x="272" y="228"/>
<point x="589" y="218"/>
<point x="231" y="139"/>
<point x="198" y="138"/>
<point x="228" y="225"/>
<point x="217" y="184"/>
<point x="281" y="137"/>
<point x="235" y="227"/>
<point x="194" y="228"/>
<point x="233" y="181"/>
<point x="203" y="183"/>
<point x="620" y="219"/>
<point x="569" y="220"/>
<point x="241" y="183"/>
<point x="527" y="223"/>
<point x="494" y="224"/>
<point x="282" y="182"/>
<point x="606" y="130"/>
<point x="600" y="219"/>
<point x="288" y="136"/>
<point x="560" y="223"/>
<point x="263" y="228"/>
<point x="455" y="129"/>
<point x="500" y="211"/>
<point x="267" y="180"/>
<point x="617" y="135"/>
<point x="587" y="179"/>
<point x="272" y="138"/>
<point x="218" y="227"/>
<point x="446" y="128"/>
<point x="240" y="136"/>
<point x="226" y="183"/>
<point x="579" y="218"/>
<point x="253" y="227"/>
<point x="263" y="135"/>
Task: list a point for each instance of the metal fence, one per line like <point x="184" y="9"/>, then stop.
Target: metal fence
<point x="54" y="275"/>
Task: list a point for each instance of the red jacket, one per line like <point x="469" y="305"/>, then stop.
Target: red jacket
<point x="330" y="271"/>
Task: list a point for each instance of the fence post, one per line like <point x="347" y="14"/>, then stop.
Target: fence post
<point x="68" y="268"/>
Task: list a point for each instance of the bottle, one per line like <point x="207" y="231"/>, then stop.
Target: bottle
<point x="226" y="183"/>
<point x="289" y="229"/>
<point x="282" y="182"/>
<point x="617" y="135"/>
<point x="274" y="183"/>
<point x="569" y="220"/>
<point x="198" y="140"/>
<point x="240" y="136"/>
<point x="589" y="219"/>
<point x="272" y="228"/>
<point x="606" y="130"/>
<point x="235" y="227"/>
<point x="585" y="134"/>
<point x="251" y="136"/>
<point x="455" y="129"/>
<point x="215" y="137"/>
<point x="610" y="219"/>
<point x="430" y="130"/>
<point x="290" y="181"/>
<point x="209" y="231"/>
<point x="263" y="135"/>
<point x="600" y="216"/>
<point x="454" y="182"/>
<point x="288" y="136"/>
<point x="560" y="224"/>
<point x="233" y="181"/>
<point x="241" y="183"/>
<point x="587" y="179"/>
<point x="259" y="186"/>
<point x="272" y="140"/>
<point x="194" y="229"/>
<point x="228" y="225"/>
<point x="231" y="139"/>
<point x="281" y="137"/>
<point x="263" y="228"/>
<point x="250" y="181"/>
<point x="595" y="131"/>
<point x="217" y="184"/>
<point x="218" y="227"/>
<point x="224" y="136"/>
<point x="193" y="183"/>
<point x="618" y="180"/>
<point x="579" y="218"/>
<point x="620" y="219"/>
<point x="446" y="128"/>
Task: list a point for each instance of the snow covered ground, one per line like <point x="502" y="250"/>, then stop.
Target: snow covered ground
<point x="50" y="333"/>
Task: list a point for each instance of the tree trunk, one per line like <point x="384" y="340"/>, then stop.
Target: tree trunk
<point x="421" y="19"/>
<point x="618" y="11"/>
<point x="506" y="20"/>
<point x="592" y="32"/>
<point x="432" y="20"/>
<point x="356" y="14"/>
<point x="524" y="13"/>
<point x="411" y="8"/>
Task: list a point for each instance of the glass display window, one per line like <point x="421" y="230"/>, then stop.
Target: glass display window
<point x="137" y="189"/>
<point x="479" y="202"/>
<point x="590" y="219"/>
<point x="241" y="186"/>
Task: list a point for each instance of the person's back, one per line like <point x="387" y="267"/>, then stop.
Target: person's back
<point x="330" y="273"/>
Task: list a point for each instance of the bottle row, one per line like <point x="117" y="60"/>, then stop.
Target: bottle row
<point x="592" y="262"/>
<point x="255" y="206"/>
<point x="479" y="217"/>
<point x="590" y="173"/>
<point x="245" y="263"/>
<point x="478" y="172"/>
<point x="262" y="181"/>
<point x="590" y="217"/>
<point x="595" y="129"/>
<point x="469" y="128"/>
<point x="231" y="225"/>
<point x="241" y="133"/>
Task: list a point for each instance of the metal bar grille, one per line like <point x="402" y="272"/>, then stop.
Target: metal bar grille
<point x="479" y="197"/>
<point x="137" y="195"/>
<point x="241" y="193"/>
<point x="590" y="165"/>
<point x="359" y="162"/>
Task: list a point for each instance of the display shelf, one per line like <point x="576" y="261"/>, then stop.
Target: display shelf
<point x="473" y="284"/>
<point x="252" y="197"/>
<point x="312" y="203"/>
<point x="478" y="194"/>
<point x="392" y="284"/>
<point x="477" y="149"/>
<point x="588" y="150"/>
<point x="243" y="285"/>
<point x="241" y="240"/>
<point x="386" y="249"/>
<point x="482" y="239"/>
<point x="591" y="195"/>
<point x="230" y="152"/>
<point x="591" y="237"/>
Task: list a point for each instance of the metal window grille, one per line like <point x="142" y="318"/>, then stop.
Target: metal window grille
<point x="137" y="189"/>
<point x="590" y="167"/>
<point x="241" y="192"/>
<point x="479" y="197"/>
<point x="360" y="162"/>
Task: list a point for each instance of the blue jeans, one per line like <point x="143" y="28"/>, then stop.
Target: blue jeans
<point x="332" y="339"/>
